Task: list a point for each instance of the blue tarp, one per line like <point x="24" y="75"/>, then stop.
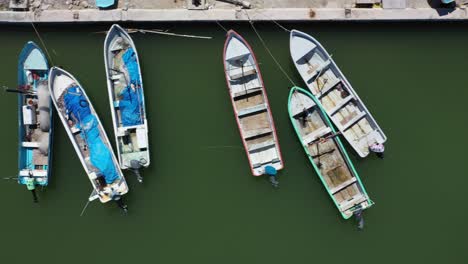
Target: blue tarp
<point x="100" y="155"/>
<point x="130" y="60"/>
<point x="131" y="100"/>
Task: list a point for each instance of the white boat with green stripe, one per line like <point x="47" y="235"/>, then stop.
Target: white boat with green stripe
<point x="326" y="153"/>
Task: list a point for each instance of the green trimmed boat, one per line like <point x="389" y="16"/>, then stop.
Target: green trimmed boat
<point x="327" y="154"/>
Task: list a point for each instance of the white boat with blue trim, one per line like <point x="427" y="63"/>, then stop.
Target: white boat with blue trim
<point x="127" y="101"/>
<point x="87" y="136"/>
<point x="328" y="84"/>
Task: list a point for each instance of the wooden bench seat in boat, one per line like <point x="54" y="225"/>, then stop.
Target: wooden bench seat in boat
<point x="343" y="185"/>
<point x="316" y="134"/>
<point x="121" y="131"/>
<point x="257" y="132"/>
<point x="355" y="200"/>
<point x="75" y="130"/>
<point x="244" y="86"/>
<point x="263" y="145"/>
<point x="247" y="91"/>
<point x="351" y="122"/>
<point x="259" y="164"/>
<point x="337" y="107"/>
<point x="317" y="71"/>
<point x="28" y="144"/>
<point x="35" y="173"/>
<point x="251" y="110"/>
<point x="329" y="85"/>
<point x="239" y="72"/>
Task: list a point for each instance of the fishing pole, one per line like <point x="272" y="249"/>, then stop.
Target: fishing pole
<point x="10" y="90"/>
<point x="86" y="205"/>
<point x="10" y="178"/>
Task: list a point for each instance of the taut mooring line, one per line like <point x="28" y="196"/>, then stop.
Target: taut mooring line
<point x="43" y="44"/>
<point x="266" y="47"/>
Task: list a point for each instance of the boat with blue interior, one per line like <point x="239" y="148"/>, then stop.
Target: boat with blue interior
<point x="127" y="100"/>
<point x="87" y="136"/>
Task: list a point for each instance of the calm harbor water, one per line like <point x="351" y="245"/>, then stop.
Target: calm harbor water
<point x="199" y="202"/>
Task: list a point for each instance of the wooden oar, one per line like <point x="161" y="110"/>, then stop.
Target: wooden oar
<point x="323" y="153"/>
<point x="325" y="138"/>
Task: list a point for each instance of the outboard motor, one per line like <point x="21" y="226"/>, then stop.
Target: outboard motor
<point x="359" y="219"/>
<point x="135" y="166"/>
<point x="119" y="201"/>
<point x="271" y="172"/>
<point x="121" y="204"/>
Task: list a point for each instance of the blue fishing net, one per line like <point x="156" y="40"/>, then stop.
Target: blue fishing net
<point x="131" y="100"/>
<point x="100" y="155"/>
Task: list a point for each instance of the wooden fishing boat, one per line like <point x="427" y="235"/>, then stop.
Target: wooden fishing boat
<point x="341" y="103"/>
<point x="250" y="103"/>
<point x="326" y="153"/>
<point x="87" y="136"/>
<point x="125" y="87"/>
<point x="35" y="117"/>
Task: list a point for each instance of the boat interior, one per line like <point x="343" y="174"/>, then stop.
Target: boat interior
<point x="324" y="150"/>
<point x="64" y="84"/>
<point x="327" y="84"/>
<point x="251" y="108"/>
<point x="132" y="140"/>
<point x="35" y="118"/>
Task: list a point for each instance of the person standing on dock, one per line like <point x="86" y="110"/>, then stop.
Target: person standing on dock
<point x="378" y="149"/>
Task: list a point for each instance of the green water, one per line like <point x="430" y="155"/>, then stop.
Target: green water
<point x="199" y="202"/>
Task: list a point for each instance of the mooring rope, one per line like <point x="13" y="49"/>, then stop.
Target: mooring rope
<point x="216" y="21"/>
<point x="266" y="47"/>
<point x="272" y="20"/>
<point x="43" y="44"/>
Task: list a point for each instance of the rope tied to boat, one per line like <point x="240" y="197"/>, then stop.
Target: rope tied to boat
<point x="216" y="21"/>
<point x="269" y="51"/>
<point x="43" y="44"/>
<point x="272" y="20"/>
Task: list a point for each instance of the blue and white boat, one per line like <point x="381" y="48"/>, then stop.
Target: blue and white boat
<point x="127" y="101"/>
<point x="35" y="118"/>
<point x="87" y="136"/>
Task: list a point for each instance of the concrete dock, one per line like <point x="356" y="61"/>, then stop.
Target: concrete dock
<point x="50" y="11"/>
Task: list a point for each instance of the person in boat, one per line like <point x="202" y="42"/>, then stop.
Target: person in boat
<point x="303" y="116"/>
<point x="31" y="186"/>
<point x="378" y="149"/>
